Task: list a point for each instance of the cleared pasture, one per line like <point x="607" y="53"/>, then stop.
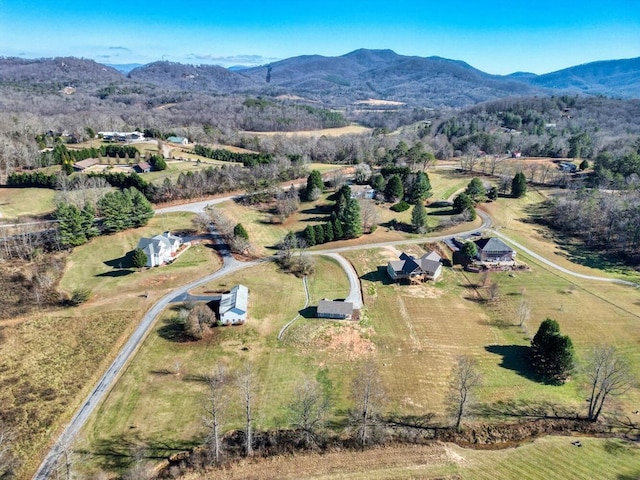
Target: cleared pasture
<point x="326" y="132"/>
<point x="24" y="202"/>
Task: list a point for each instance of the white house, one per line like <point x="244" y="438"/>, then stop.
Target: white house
<point x="160" y="248"/>
<point x="233" y="306"/>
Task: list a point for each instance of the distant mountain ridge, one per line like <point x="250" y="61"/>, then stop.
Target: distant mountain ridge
<point x="359" y="75"/>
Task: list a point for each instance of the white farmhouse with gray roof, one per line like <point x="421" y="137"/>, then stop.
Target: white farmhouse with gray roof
<point x="234" y="305"/>
<point x="160" y="249"/>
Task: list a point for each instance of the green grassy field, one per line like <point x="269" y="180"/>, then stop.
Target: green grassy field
<point x="159" y="405"/>
<point x="24" y="202"/>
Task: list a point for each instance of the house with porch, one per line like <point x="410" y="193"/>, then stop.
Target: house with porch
<point x="493" y="251"/>
<point x="427" y="267"/>
<point x="160" y="249"/>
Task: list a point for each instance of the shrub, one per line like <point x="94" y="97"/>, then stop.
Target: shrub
<point x="400" y="206"/>
<point x="78" y="296"/>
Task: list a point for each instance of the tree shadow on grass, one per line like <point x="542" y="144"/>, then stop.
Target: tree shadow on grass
<point x="116" y="273"/>
<point x="515" y="358"/>
<point x="380" y="275"/>
<point x="120" y="452"/>
<point x="173" y="330"/>
<point x="123" y="262"/>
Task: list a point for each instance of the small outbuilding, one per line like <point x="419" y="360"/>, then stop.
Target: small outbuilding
<point x="335" y="309"/>
<point x="178" y="140"/>
<point x="234" y="306"/>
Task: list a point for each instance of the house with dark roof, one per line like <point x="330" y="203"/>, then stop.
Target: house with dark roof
<point x="494" y="251"/>
<point x="86" y="163"/>
<point x="234" y="306"/>
<point x="427" y="267"/>
<point x="334" y="309"/>
<point x="160" y="249"/>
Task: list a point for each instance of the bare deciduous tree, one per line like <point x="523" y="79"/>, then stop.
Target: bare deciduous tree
<point x="524" y="312"/>
<point x="216" y="404"/>
<point x="368" y="396"/>
<point x="493" y="291"/>
<point x="607" y="374"/>
<point x="369" y="214"/>
<point x="246" y="381"/>
<point x="464" y="380"/>
<point x="309" y="410"/>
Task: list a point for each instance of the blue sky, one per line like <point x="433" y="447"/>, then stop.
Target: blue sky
<point x="496" y="36"/>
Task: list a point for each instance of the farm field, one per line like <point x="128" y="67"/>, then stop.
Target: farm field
<point x="25" y="202"/>
<point x="55" y="357"/>
<point x="328" y="132"/>
<point x="545" y="458"/>
<point x="157" y="404"/>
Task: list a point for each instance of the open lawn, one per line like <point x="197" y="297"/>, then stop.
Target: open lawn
<point x="24" y="202"/>
<point x="429" y="325"/>
<point x="157" y="403"/>
<point x="544" y="459"/>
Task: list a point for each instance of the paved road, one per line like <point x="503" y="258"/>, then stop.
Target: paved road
<point x="560" y="268"/>
<point x="104" y="385"/>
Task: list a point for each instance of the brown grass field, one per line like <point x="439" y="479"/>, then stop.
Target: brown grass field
<point x="543" y="459"/>
<point x="24" y="202"/>
<point x="327" y="132"/>
<point x="49" y="361"/>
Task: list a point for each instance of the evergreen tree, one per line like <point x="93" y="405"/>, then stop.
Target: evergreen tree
<point x="462" y="202"/>
<point x="314" y="182"/>
<point x="421" y="188"/>
<point x="239" y="231"/>
<point x="419" y="217"/>
<point x="377" y="183"/>
<point x="88" y="216"/>
<point x="310" y="235"/>
<point x="70" y="225"/>
<point x="551" y="353"/>
<point x="352" y="219"/>
<point x="519" y="185"/>
<point x="139" y="258"/>
<point x="492" y="194"/>
<point x="158" y="163"/>
<point x="470" y="249"/>
<point x="394" y="189"/>
<point x="319" y="231"/>
<point x="141" y="208"/>
<point x="338" y="233"/>
<point x="476" y="190"/>
<point x="328" y="232"/>
<point x="342" y="198"/>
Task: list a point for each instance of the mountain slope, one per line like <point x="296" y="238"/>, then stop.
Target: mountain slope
<point x="618" y="78"/>
<point x="384" y="74"/>
<point x="191" y="78"/>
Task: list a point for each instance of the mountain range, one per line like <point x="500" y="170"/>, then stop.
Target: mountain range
<point x="356" y="76"/>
